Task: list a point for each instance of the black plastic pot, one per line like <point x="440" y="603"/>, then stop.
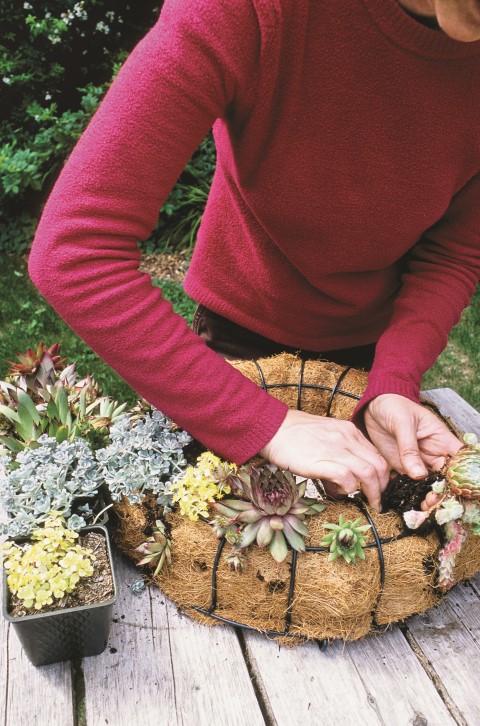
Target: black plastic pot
<point x="65" y="634"/>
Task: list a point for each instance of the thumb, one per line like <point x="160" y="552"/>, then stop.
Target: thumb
<point x="410" y="458"/>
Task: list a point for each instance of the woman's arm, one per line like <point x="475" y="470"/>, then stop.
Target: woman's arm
<point x="183" y="75"/>
<point x="442" y="272"/>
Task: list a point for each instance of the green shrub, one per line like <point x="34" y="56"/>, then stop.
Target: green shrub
<point x="57" y="58"/>
<point x="182" y="212"/>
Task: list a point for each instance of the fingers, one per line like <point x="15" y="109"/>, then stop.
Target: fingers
<point x="410" y="458"/>
<point x="328" y="449"/>
<point x="350" y="475"/>
<point x="430" y="501"/>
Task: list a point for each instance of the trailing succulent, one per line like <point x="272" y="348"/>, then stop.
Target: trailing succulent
<point x="48" y="478"/>
<point x="457" y="505"/>
<point x="144" y="454"/>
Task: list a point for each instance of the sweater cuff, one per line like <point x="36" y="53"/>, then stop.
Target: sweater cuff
<point x="385" y="384"/>
<point x="266" y="425"/>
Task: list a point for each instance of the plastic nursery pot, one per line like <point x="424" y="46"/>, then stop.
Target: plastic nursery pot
<point x="77" y="632"/>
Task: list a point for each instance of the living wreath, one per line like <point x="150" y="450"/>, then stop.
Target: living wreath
<point x="251" y="545"/>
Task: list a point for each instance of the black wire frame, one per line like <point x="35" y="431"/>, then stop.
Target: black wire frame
<point x="377" y="542"/>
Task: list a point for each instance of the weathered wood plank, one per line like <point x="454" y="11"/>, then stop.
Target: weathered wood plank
<point x="447" y="637"/>
<point x="41" y="696"/>
<point x="374" y="681"/>
<point x="160" y="673"/>
<point x="464" y="416"/>
<point x="211" y="677"/>
<point x="3" y="669"/>
<point x="132" y="681"/>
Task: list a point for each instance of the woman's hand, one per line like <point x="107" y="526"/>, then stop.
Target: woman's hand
<point x="409" y="436"/>
<point x="334" y="451"/>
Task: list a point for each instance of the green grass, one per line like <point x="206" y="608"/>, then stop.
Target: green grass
<point x="174" y="292"/>
<point x="26" y="319"/>
<point x="458" y="367"/>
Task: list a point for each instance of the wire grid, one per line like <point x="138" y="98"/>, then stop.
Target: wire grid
<point x="377" y="543"/>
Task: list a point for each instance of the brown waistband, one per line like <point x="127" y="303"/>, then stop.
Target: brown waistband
<point x="233" y="341"/>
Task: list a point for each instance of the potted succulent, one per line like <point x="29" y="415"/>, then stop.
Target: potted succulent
<point x="59" y="594"/>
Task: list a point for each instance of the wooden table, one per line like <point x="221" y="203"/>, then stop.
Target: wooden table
<point x="160" y="668"/>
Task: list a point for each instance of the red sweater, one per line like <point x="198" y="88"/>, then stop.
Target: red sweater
<point x="345" y="206"/>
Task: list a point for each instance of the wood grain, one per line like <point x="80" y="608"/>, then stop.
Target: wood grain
<point x="42" y="696"/>
<point x="132" y="680"/>
<point x="464" y="416"/>
<point x="166" y="668"/>
<point x="377" y="680"/>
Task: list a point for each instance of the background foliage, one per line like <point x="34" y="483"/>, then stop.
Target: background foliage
<point x="57" y="59"/>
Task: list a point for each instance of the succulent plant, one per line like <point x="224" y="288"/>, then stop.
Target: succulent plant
<point x="347" y="539"/>
<point x="36" y="368"/>
<point x="43" y="397"/>
<point x="223" y="527"/>
<point x="456" y="505"/>
<point x="157" y="549"/>
<point x="462" y="470"/>
<point x="455" y="536"/>
<point x="272" y="509"/>
<point x="142" y="457"/>
<point x="49" y="566"/>
<point x="50" y="477"/>
<point x="196" y="487"/>
<point x="236" y="561"/>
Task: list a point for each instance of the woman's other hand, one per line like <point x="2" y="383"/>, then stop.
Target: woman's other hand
<point x="409" y="436"/>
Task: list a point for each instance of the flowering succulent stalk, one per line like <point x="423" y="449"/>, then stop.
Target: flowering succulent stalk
<point x="48" y="568"/>
<point x="455" y="536"/>
<point x="271" y="511"/>
<point x="157" y="549"/>
<point x="347" y="539"/>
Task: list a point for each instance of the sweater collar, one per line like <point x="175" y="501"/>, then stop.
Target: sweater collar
<point x="408" y="33"/>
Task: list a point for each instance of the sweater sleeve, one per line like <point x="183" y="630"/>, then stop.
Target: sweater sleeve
<point x="183" y="75"/>
<point x="440" y="278"/>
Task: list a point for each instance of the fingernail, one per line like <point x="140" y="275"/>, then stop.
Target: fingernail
<point x="418" y="471"/>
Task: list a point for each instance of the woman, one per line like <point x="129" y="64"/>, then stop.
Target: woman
<point x="343" y="218"/>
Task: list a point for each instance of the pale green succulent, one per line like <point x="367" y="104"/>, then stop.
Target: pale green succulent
<point x="347" y="539"/>
<point x="157" y="549"/>
<point x="463" y="469"/>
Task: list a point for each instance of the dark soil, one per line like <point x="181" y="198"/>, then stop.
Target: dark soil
<point x="90" y="590"/>
<point x="403" y="494"/>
